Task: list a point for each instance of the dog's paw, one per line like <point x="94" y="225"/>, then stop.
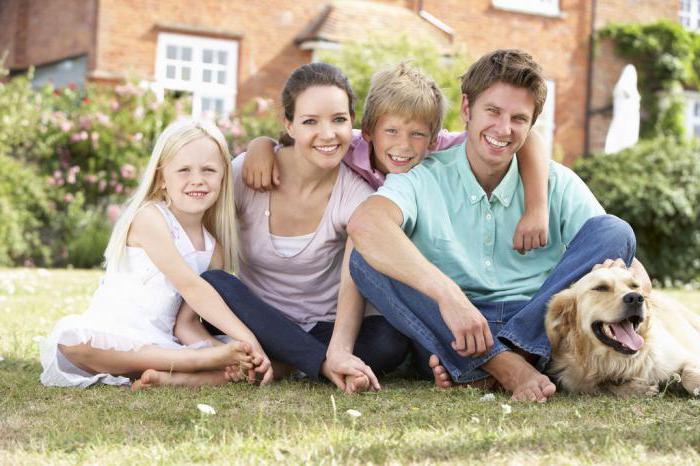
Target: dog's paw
<point x="634" y="388"/>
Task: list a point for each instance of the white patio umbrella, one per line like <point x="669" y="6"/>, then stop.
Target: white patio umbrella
<point x="624" y="127"/>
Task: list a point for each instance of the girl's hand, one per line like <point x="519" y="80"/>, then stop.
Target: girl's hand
<point x="532" y="230"/>
<point x="260" y="171"/>
<point x="347" y="371"/>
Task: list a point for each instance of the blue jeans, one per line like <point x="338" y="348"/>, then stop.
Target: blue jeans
<point x="515" y="324"/>
<point x="378" y="344"/>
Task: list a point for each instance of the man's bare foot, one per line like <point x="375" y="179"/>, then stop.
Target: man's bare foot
<point x="357" y="383"/>
<point x="520" y="378"/>
<point x="443" y="380"/>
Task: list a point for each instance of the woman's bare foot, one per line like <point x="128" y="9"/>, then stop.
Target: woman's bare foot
<point x="520" y="378"/>
<point x="153" y="378"/>
<point x="443" y="380"/>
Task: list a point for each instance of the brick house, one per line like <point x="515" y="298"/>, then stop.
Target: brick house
<point x="226" y="52"/>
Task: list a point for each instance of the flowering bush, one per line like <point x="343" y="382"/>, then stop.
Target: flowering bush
<point x="70" y="157"/>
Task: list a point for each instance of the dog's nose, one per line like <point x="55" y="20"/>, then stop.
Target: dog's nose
<point x="633" y="299"/>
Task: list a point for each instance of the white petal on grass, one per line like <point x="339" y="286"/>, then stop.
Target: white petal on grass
<point x="506" y="408"/>
<point x="475" y="420"/>
<point x="353" y="413"/>
<point x="488" y="397"/>
<point x="696" y="392"/>
<point x="205" y="408"/>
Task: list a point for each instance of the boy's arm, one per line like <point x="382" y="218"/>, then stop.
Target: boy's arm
<point x="533" y="164"/>
<point x="260" y="171"/>
<point x="350" y="313"/>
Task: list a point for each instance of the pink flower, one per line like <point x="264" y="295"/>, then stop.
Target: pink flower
<point x="66" y="126"/>
<point x="128" y="171"/>
<point x="114" y="105"/>
<point x="92" y="179"/>
<point x="101" y="185"/>
<point x="139" y="112"/>
<point x="113" y="213"/>
<point x="68" y="198"/>
<point x="102" y="118"/>
<point x="118" y="188"/>
<point x="70" y="179"/>
<point x="75" y="137"/>
<point x="262" y="105"/>
<point x="85" y="122"/>
<point x="75" y="169"/>
<point x="51" y="181"/>
<point x="84" y="136"/>
<point x="137" y="137"/>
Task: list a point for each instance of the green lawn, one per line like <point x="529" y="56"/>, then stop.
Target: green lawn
<point x="304" y="422"/>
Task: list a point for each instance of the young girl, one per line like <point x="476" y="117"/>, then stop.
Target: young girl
<point x="293" y="249"/>
<point x="179" y="222"/>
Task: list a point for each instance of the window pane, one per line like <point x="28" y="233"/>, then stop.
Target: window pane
<point x="186" y="53"/>
<point x="222" y="57"/>
<point x="206" y="76"/>
<point x="206" y="104"/>
<point x="171" y="52"/>
<point x="696" y="110"/>
<point x="221" y="77"/>
<point x="219" y="106"/>
<point x="170" y="72"/>
<point x="697" y="131"/>
<point x="186" y="72"/>
<point x="207" y="55"/>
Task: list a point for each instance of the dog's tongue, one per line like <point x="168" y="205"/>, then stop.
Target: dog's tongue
<point x="625" y="334"/>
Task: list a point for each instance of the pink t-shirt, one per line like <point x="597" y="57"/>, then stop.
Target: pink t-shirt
<point x="303" y="286"/>
<point x="358" y="156"/>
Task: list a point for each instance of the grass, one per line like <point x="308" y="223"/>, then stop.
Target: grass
<point x="304" y="422"/>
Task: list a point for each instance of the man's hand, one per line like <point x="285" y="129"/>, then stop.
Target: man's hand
<point x="636" y="269"/>
<point x="262" y="368"/>
<point x="342" y="366"/>
<point x="467" y="324"/>
<point x="532" y="230"/>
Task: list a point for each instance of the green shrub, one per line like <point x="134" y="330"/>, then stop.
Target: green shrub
<point x="359" y="60"/>
<point x="24" y="212"/>
<point x="86" y="235"/>
<point x="654" y="186"/>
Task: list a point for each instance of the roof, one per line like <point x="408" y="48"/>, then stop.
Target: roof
<point x="347" y="20"/>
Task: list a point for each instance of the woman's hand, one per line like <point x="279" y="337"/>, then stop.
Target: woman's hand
<point x="348" y="372"/>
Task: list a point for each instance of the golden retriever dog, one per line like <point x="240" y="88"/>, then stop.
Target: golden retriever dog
<point x="607" y="336"/>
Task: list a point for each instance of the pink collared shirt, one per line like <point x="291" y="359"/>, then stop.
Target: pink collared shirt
<point x="358" y="155"/>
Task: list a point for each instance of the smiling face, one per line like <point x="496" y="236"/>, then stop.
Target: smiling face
<point x="398" y="144"/>
<point x="193" y="176"/>
<point x="498" y="124"/>
<point x="321" y="126"/>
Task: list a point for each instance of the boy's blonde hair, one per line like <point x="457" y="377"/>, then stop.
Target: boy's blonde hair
<point x="404" y="91"/>
<point x="219" y="219"/>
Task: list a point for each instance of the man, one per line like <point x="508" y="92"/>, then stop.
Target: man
<point x="433" y="246"/>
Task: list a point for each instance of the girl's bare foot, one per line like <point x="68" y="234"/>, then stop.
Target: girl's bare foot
<point x="236" y="353"/>
<point x="153" y="378"/>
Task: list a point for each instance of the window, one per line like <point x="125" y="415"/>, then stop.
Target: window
<point x="692" y="114"/>
<point x="537" y="7"/>
<point x="689" y="14"/>
<point x="202" y="66"/>
<point x="545" y="122"/>
<point x="61" y="73"/>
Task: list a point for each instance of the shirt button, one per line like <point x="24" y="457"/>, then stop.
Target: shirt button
<point x="267" y="213"/>
<point x="473" y="198"/>
<point x="488" y="216"/>
<point x="488" y="263"/>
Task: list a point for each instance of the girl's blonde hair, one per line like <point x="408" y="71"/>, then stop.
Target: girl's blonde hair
<point x="219" y="219"/>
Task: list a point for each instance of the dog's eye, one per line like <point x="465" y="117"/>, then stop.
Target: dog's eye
<point x="602" y="287"/>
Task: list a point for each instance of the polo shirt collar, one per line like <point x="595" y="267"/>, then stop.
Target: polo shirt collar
<point x="505" y="190"/>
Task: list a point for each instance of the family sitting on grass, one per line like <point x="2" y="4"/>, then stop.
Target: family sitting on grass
<point x="452" y="260"/>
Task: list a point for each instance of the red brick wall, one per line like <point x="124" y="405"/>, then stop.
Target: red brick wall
<point x="127" y="37"/>
<point x="44" y="31"/>
<point x="607" y="66"/>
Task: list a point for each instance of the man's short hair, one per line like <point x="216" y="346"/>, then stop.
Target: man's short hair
<point x="407" y="92"/>
<point x="510" y="66"/>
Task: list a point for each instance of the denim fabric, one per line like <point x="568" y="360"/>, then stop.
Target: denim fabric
<point x="378" y="344"/>
<point x="513" y="323"/>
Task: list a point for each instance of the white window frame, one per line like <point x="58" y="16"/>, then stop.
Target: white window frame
<point x="692" y="116"/>
<point x="536" y="7"/>
<point x="689" y="14"/>
<point x="545" y="123"/>
<point x="199" y="89"/>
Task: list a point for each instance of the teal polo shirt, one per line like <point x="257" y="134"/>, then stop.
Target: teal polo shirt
<point x="468" y="236"/>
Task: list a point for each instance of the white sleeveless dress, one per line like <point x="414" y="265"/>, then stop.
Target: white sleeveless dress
<point x="134" y="306"/>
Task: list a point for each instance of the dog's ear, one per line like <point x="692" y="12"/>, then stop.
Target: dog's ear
<point x="561" y="316"/>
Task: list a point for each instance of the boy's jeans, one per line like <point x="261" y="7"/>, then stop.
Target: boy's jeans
<point x="513" y="323"/>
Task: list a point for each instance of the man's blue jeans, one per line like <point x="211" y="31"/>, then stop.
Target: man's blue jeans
<point x="514" y="324"/>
